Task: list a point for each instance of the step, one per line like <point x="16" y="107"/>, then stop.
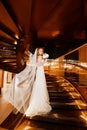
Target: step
<point x="57" y="119"/>
<point x="64" y="93"/>
<point x="72" y="105"/>
<point x="67" y="89"/>
<point x="60" y="90"/>
<point x="63" y="100"/>
<point x="64" y="97"/>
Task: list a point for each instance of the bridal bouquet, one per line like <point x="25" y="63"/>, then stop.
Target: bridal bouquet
<point x="45" y="56"/>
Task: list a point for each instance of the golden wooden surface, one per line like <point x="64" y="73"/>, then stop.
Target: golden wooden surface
<point x="5" y="109"/>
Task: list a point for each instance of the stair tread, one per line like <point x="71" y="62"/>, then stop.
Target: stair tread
<point x="55" y="118"/>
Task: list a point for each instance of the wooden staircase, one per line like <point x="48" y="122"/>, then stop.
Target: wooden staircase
<point x="11" y="56"/>
<point x="69" y="110"/>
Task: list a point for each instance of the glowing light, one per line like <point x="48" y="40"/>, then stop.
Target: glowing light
<point x="15" y="42"/>
<point x="52" y="63"/>
<point x="84" y="117"/>
<point x="68" y="66"/>
<point x="84" y="64"/>
<point x="55" y="33"/>
<point x="27" y="128"/>
<point x="16" y="35"/>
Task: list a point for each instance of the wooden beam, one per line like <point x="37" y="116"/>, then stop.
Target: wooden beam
<point x="6" y="40"/>
<point x="8" y="31"/>
<point x="11" y="68"/>
<point x="13" y="16"/>
<point x="31" y="16"/>
<point x="52" y="11"/>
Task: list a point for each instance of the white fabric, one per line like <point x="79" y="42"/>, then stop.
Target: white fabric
<point x="39" y="100"/>
<point x="29" y="93"/>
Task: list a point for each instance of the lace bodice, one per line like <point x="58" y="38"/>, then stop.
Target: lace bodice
<point x="40" y="61"/>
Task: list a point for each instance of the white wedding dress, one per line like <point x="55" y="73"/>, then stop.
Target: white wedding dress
<point x="29" y="93"/>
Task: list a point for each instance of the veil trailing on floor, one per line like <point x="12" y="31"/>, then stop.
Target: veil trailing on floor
<point x="22" y="84"/>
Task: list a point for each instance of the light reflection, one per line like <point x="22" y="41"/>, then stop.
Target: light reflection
<point x="68" y="89"/>
<point x="55" y="115"/>
<point x="77" y="67"/>
<point x="79" y="103"/>
<point x="65" y="84"/>
<point x="84" y="117"/>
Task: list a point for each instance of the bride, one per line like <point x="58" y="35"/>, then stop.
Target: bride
<point x="29" y="93"/>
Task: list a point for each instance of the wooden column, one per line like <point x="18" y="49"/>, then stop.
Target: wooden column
<point x="1" y="79"/>
<point x="83" y="53"/>
<point x="83" y="58"/>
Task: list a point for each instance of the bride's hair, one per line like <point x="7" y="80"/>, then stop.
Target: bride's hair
<point x="38" y="53"/>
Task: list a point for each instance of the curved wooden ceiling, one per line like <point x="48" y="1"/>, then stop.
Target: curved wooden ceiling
<point x="50" y="23"/>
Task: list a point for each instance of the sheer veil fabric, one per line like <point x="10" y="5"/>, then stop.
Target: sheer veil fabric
<point x="28" y="93"/>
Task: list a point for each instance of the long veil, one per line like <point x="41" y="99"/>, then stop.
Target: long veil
<point x="22" y="84"/>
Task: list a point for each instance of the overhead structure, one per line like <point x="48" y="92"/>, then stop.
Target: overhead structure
<point x="58" y="25"/>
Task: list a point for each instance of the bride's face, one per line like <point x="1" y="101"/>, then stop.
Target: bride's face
<point x="40" y="51"/>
